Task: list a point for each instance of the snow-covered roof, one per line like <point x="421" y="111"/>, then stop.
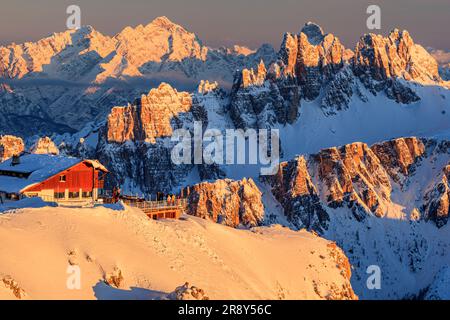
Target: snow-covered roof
<point x="40" y="167"/>
<point x="96" y="164"/>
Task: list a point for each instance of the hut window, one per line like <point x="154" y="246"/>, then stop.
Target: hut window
<point x="62" y="178"/>
<point x="87" y="194"/>
<point x="60" y="195"/>
<point x="74" y="195"/>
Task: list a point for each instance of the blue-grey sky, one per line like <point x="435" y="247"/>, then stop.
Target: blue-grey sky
<point x="227" y="22"/>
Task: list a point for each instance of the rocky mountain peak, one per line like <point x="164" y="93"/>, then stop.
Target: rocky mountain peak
<point x="251" y="77"/>
<point x="9" y="146"/>
<point x="159" y="41"/>
<point x="312" y="58"/>
<point x="44" y="145"/>
<point x="314" y="32"/>
<point x="360" y="178"/>
<point x="395" y="56"/>
<point x="205" y="86"/>
<point x="148" y="117"/>
<point x="162" y="22"/>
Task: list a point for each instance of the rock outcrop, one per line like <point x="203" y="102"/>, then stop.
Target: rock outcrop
<point x="295" y="190"/>
<point x="9" y="146"/>
<point x="205" y="86"/>
<point x="45" y="145"/>
<point x="398" y="155"/>
<point x="437" y="200"/>
<point x="114" y="278"/>
<point x="136" y="142"/>
<point x="227" y="202"/>
<point x="187" y="292"/>
<point x="313" y="64"/>
<point x="359" y="178"/>
<point x="395" y="56"/>
<point x="14" y="286"/>
<point x="149" y="117"/>
<point x="320" y="56"/>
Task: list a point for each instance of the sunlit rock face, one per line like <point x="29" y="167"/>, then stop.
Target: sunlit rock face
<point x="77" y="76"/>
<point x="205" y="86"/>
<point x="395" y="56"/>
<point x="44" y="145"/>
<point x="228" y="202"/>
<point x="260" y="100"/>
<point x="9" y="146"/>
<point x="313" y="57"/>
<point x="313" y="64"/>
<point x="360" y="178"/>
<point x="149" y="117"/>
<point x="320" y="56"/>
<point x="136" y="142"/>
<point x="380" y="61"/>
<point x="306" y="63"/>
<point x="398" y="155"/>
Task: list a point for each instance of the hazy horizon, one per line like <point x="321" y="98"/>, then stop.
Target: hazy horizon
<point x="224" y="23"/>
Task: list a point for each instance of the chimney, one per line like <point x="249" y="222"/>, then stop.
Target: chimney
<point x="15" y="160"/>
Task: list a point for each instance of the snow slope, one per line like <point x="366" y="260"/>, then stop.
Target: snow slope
<point x="155" y="257"/>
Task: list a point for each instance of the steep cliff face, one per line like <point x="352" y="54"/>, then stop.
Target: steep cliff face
<point x="320" y="56"/>
<point x="149" y="117"/>
<point x="396" y="56"/>
<point x="9" y="146"/>
<point x="136" y="141"/>
<point x="227" y="202"/>
<point x="294" y="189"/>
<point x="313" y="64"/>
<point x="307" y="62"/>
<point x="386" y="205"/>
<point x="398" y="155"/>
<point x="312" y="57"/>
<point x="44" y="145"/>
<point x="380" y="61"/>
<point x="262" y="105"/>
<point x="360" y="178"/>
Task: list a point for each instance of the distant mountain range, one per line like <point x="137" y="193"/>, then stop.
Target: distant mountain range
<point x="364" y="132"/>
<point x="59" y="83"/>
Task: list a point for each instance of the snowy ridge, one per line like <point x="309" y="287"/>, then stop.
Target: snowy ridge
<point x="374" y="202"/>
<point x="114" y="248"/>
<point x="68" y="79"/>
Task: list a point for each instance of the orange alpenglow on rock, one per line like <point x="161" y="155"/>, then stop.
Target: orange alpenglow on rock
<point x="45" y="145"/>
<point x="10" y="146"/>
<point x="228" y="202"/>
<point x="149" y="117"/>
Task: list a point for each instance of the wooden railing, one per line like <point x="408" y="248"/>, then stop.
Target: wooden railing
<point x="155" y="205"/>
